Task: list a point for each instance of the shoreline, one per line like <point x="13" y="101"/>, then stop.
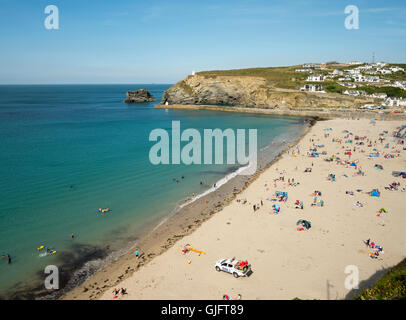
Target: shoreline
<point x="317" y="114"/>
<point x="163" y="233"/>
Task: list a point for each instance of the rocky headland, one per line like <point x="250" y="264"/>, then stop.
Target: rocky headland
<point x="247" y="91"/>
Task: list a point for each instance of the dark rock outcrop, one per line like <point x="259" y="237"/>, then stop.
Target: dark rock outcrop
<point x="138" y="96"/>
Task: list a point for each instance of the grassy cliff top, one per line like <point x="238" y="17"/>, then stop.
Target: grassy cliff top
<point x="280" y="77"/>
<point x="288" y="78"/>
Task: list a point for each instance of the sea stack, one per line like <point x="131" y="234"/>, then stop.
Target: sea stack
<point x="138" y="96"/>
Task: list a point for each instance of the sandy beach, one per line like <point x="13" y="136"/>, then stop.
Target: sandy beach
<point x="288" y="263"/>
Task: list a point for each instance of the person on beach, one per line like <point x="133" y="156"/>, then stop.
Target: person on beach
<point x="367" y="242"/>
<point x="136" y="253"/>
<point x="8" y="259"/>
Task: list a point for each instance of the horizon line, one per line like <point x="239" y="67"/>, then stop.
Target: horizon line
<point x="76" y="84"/>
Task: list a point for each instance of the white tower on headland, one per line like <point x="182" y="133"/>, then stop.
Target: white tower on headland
<point x="193" y="72"/>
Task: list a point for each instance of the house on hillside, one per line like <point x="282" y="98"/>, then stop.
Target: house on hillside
<point x="379" y="95"/>
<point x="355" y="93"/>
<point x="395" y="102"/>
<point x="400" y="84"/>
<point x="304" y="70"/>
<point x="312" y="88"/>
<point x="344" y="79"/>
<point x="348" y="85"/>
<point x="359" y="78"/>
<point x="316" y="78"/>
<point x="373" y="79"/>
<point x="397" y="69"/>
<point x="385" y="71"/>
<point x="312" y="65"/>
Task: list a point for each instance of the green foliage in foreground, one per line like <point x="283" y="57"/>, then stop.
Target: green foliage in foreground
<point x="392" y="286"/>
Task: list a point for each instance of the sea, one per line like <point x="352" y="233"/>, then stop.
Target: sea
<point x="68" y="150"/>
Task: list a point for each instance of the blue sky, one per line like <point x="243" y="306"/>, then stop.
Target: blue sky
<point x="156" y="41"/>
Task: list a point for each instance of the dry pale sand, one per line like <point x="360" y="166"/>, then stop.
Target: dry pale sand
<point x="288" y="263"/>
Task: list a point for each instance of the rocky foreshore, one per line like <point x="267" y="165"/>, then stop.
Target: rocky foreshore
<point x="139" y="96"/>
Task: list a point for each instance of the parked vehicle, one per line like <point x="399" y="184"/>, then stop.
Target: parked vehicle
<point x="236" y="267"/>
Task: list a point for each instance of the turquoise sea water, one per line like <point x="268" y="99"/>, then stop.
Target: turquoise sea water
<point x="68" y="150"/>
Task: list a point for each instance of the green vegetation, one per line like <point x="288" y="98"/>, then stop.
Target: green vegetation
<point x="400" y="65"/>
<point x="281" y="77"/>
<point x="333" y="87"/>
<point x="287" y="78"/>
<point x="390" y="91"/>
<point x="392" y="286"/>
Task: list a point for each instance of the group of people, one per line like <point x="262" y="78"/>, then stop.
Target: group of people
<point x="257" y="206"/>
<point x="116" y="292"/>
<point x="227" y="297"/>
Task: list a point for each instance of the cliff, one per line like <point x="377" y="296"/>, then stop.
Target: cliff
<point x="142" y="95"/>
<point x="249" y="91"/>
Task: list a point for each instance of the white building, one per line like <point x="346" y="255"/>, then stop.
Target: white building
<point x="395" y="102"/>
<point x="355" y="93"/>
<point x="373" y="79"/>
<point x="397" y="69"/>
<point x="371" y="72"/>
<point x="384" y="71"/>
<point x="353" y="71"/>
<point x="348" y="85"/>
<point x="312" y="88"/>
<point x="379" y="64"/>
<point x="316" y="78"/>
<point x="359" y="78"/>
<point x="355" y="63"/>
<point x="400" y="84"/>
<point x="338" y="72"/>
<point x="312" y="65"/>
<point x="304" y="70"/>
<point x="379" y="95"/>
<point x="344" y="79"/>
